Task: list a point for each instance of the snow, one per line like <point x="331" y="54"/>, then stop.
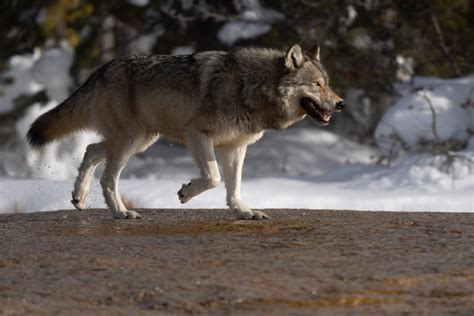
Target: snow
<point x="252" y="21"/>
<point x="351" y="15"/>
<point x="146" y="42"/>
<point x="405" y="69"/>
<point x="19" y="70"/>
<point x="295" y="168"/>
<point x="410" y="120"/>
<point x="139" y="3"/>
<point x="45" y="69"/>
<point x="348" y="20"/>
<point x="183" y="50"/>
<point x="51" y="70"/>
<point x="231" y="32"/>
<point x="45" y="195"/>
<point x="362" y="40"/>
<point x="58" y="160"/>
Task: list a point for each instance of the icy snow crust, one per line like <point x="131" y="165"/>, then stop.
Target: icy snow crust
<point x="295" y="168"/>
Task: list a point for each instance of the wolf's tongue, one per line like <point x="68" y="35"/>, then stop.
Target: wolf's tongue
<point x="326" y="115"/>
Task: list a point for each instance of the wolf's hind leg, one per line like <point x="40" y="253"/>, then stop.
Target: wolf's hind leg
<point x="202" y="149"/>
<point x="95" y="153"/>
<point x="117" y="155"/>
<point x="232" y="161"/>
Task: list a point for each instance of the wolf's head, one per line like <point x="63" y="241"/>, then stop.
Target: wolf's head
<point x="304" y="86"/>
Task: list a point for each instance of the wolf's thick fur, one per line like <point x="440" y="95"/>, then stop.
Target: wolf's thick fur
<point x="208" y="100"/>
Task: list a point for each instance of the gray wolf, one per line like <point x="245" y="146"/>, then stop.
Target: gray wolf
<point x="209" y="101"/>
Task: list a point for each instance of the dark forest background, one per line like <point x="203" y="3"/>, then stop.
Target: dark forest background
<point x="367" y="45"/>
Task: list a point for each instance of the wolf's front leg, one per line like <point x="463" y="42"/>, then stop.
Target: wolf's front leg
<point x="233" y="160"/>
<point x="202" y="149"/>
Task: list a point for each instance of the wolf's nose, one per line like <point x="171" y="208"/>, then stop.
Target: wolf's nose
<point x="340" y="105"/>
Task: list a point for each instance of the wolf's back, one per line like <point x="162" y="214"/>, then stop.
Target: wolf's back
<point x="69" y="116"/>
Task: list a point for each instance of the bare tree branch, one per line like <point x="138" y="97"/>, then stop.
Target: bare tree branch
<point x="433" y="115"/>
<point x="442" y="44"/>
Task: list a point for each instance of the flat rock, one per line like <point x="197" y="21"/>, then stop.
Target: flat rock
<point x="300" y="262"/>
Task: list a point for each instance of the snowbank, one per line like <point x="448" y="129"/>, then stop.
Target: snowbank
<point x="296" y="168"/>
<point x="28" y="195"/>
<point x="430" y="110"/>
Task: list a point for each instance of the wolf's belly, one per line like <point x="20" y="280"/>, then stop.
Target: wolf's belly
<point x="236" y="138"/>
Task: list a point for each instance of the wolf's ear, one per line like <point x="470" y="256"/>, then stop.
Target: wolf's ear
<point x="294" y="57"/>
<point x="314" y="52"/>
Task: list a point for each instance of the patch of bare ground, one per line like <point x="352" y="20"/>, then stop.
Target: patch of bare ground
<point x="301" y="262"/>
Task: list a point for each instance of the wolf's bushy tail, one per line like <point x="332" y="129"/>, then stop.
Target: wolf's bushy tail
<point x="69" y="116"/>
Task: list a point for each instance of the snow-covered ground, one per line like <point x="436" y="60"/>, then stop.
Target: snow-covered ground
<point x="296" y="168"/>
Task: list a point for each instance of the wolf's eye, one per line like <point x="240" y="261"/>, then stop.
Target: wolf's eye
<point x="317" y="84"/>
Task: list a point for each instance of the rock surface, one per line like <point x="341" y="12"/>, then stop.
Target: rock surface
<point x="301" y="262"/>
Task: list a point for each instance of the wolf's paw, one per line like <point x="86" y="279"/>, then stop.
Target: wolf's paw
<point x="127" y="215"/>
<point x="78" y="201"/>
<point x="244" y="213"/>
<point x="133" y="215"/>
<point x="252" y="215"/>
<point x="184" y="194"/>
<point x="258" y="215"/>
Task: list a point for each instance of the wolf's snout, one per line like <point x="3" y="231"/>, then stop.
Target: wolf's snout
<point x="340" y="105"/>
<point x="315" y="110"/>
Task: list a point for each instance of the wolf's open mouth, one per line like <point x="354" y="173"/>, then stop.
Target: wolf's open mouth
<point x="315" y="111"/>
